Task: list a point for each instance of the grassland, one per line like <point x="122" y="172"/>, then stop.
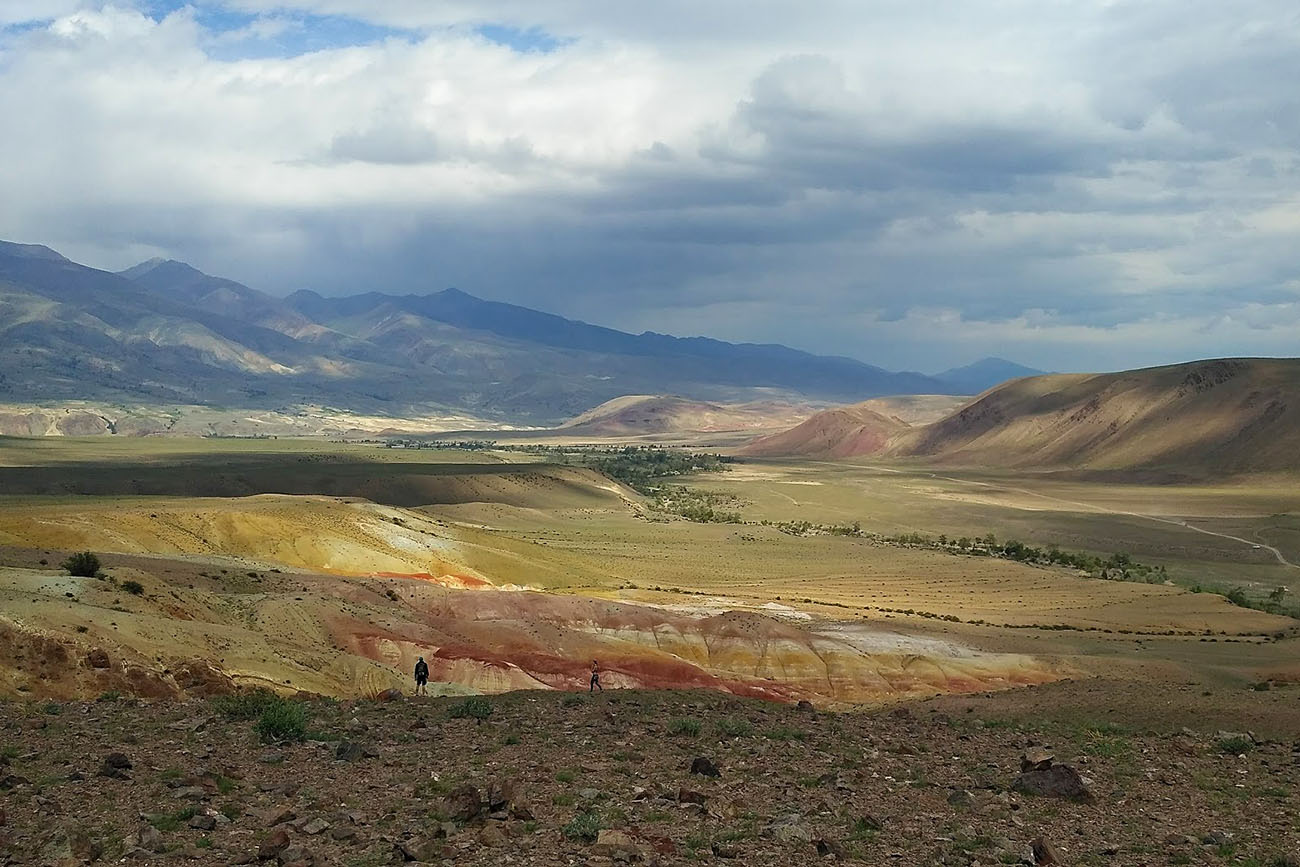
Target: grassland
<point x="500" y="518"/>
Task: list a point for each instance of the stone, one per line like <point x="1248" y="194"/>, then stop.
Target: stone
<point x="615" y="844"/>
<point x="492" y="836"/>
<point x="98" y="658"/>
<point x="278" y="816"/>
<point x="704" y="767"/>
<point x="1036" y="759"/>
<point x="688" y="796"/>
<point x="352" y="751"/>
<point x="422" y="848"/>
<point x="202" y="822"/>
<point x="804" y="706"/>
<point x="1044" y="853"/>
<point x="275" y="843"/>
<point x="296" y="856"/>
<point x="115" y="766"/>
<point x="790" y="828"/>
<point x="151" y="839"/>
<point x="463" y="803"/>
<point x="1058" y="781"/>
<point x="315" y="826"/>
<point x="828" y="848"/>
<point x="961" y="799"/>
<point x="868" y="822"/>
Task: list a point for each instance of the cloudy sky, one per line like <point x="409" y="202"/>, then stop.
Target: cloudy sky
<point x="1073" y="184"/>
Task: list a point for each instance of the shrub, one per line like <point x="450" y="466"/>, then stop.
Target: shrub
<point x="83" y="565"/>
<point x="1236" y="745"/>
<point x="684" y="726"/>
<point x="734" y="728"/>
<point x="282" y="721"/>
<point x="245" y="705"/>
<point x="474" y="707"/>
<point x="584" y="826"/>
<point x="135" y="588"/>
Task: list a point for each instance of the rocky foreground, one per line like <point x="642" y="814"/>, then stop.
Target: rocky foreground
<point x="626" y="777"/>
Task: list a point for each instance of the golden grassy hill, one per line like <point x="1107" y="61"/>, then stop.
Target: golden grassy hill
<point x="1223" y="416"/>
<point x="837" y="433"/>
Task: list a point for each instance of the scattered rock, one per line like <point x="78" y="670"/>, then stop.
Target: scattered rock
<point x="278" y="816"/>
<point x="828" y="848"/>
<point x="961" y="799"/>
<point x="275" y="843"/>
<point x="1057" y="781"/>
<point x="492" y="836"/>
<point x="296" y="856"/>
<point x="315" y="826"/>
<point x="790" y="828"/>
<point x="615" y="844"/>
<point x="1036" y="759"/>
<point x="689" y="796"/>
<point x="704" y="767"/>
<point x="353" y="751"/>
<point x="203" y="822"/>
<point x="422" y="848"/>
<point x="463" y="803"/>
<point x="115" y="767"/>
<point x="1044" y="853"/>
<point x="150" y="839"/>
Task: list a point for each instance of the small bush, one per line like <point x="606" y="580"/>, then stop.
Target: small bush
<point x="245" y="705"/>
<point x="474" y="707"/>
<point x="684" y="726"/>
<point x="1235" y="746"/>
<point x="584" y="826"/>
<point x="572" y="701"/>
<point x="83" y="565"/>
<point x="283" y="721"/>
<point x="785" y="733"/>
<point x="734" y="728"/>
<point x="135" y="588"/>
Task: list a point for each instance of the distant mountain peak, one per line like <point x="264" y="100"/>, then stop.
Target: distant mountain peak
<point x="30" y="251"/>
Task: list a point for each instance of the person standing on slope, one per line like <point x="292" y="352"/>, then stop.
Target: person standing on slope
<point x="595" y="677"/>
<point x="421" y="677"/>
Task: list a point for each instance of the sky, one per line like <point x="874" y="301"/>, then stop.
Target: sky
<point x="1073" y="184"/>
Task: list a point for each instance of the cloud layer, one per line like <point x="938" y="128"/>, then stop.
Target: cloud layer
<point x="1077" y="185"/>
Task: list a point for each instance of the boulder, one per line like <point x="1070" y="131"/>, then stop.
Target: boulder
<point x="1057" y="781"/>
<point x="353" y="751"/>
<point x="688" y="796"/>
<point x="704" y="767"/>
<point x="98" y="658"/>
<point x="115" y="766"/>
<point x="617" y="845"/>
<point x="1044" y="853"/>
<point x="275" y="843"/>
<point x="463" y="803"/>
<point x="790" y="828"/>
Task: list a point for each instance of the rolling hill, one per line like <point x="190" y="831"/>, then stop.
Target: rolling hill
<point x="1220" y="416"/>
<point x="834" y="433"/>
<point x="1226" y="415"/>
<point x="164" y="333"/>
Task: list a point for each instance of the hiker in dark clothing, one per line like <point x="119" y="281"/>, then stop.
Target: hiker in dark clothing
<point x="422" y="677"/>
<point x="595" y="677"/>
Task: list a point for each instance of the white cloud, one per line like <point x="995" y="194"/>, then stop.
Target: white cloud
<point x="766" y="170"/>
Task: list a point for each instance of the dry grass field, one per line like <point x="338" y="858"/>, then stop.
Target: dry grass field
<point x="346" y="540"/>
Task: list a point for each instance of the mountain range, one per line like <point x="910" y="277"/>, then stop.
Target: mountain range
<point x="163" y="332"/>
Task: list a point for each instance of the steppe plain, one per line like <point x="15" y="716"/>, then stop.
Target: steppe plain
<point x="322" y="569"/>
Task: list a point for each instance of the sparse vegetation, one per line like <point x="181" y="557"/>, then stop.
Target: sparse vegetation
<point x="585" y="826"/>
<point x="283" y="720"/>
<point x="135" y="588"/>
<point x="684" y="726"/>
<point x="474" y="707"/>
<point x="83" y="565"/>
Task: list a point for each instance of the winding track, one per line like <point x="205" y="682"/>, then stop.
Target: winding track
<point x="1177" y="522"/>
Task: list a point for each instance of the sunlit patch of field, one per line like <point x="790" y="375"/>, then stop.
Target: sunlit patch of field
<point x="1151" y="522"/>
